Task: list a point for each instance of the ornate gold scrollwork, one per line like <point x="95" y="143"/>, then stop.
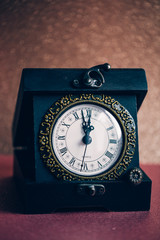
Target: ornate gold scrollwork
<point x="123" y="116"/>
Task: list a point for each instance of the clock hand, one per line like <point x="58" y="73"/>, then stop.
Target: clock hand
<point x="83" y="157"/>
<point x="86" y="139"/>
<point x="84" y="124"/>
<point x="89" y="120"/>
<point x="87" y="128"/>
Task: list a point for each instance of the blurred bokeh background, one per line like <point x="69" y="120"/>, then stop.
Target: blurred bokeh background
<point x="81" y="33"/>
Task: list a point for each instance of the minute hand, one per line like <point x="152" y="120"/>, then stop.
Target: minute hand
<point x="89" y="126"/>
<point x="89" y="120"/>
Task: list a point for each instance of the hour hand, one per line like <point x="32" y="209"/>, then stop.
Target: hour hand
<point x="84" y="124"/>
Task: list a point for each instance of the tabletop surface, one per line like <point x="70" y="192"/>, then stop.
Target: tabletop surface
<point x="75" y="225"/>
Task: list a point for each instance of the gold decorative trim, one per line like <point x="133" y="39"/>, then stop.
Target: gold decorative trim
<point x="49" y="119"/>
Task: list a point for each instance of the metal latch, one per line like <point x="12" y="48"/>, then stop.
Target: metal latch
<point x="91" y="189"/>
<point x="93" y="78"/>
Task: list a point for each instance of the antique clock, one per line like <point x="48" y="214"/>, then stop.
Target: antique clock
<point x="76" y="142"/>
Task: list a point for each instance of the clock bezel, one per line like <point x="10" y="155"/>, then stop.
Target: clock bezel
<point x="123" y="117"/>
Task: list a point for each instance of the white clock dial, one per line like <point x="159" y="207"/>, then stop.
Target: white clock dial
<point x="87" y="139"/>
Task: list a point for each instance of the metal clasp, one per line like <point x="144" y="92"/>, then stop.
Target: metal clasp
<point x="91" y="189"/>
<point x="93" y="78"/>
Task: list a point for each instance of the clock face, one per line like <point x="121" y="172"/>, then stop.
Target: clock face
<point x="87" y="139"/>
<point x="86" y="136"/>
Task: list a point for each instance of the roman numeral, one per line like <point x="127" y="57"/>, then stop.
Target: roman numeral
<point x="112" y="141"/>
<point x="72" y="161"/>
<point x="108" y="154"/>
<point x="63" y="150"/>
<point x="84" y="167"/>
<point x="61" y="137"/>
<point x="89" y="112"/>
<point x="99" y="164"/>
<point x="66" y="125"/>
<point x="110" y="128"/>
<point x="76" y="115"/>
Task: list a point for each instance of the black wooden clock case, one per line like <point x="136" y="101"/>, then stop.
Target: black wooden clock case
<point x="42" y="191"/>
